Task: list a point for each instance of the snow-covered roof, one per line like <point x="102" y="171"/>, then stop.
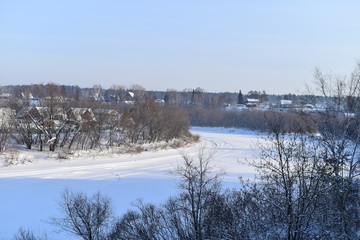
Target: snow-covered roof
<point x="34" y="102"/>
<point x="44" y="111"/>
<point x="77" y="113"/>
<point x="105" y="111"/>
<point x="285" y="102"/>
<point x="5" y="95"/>
<point x="238" y="107"/>
<point x="24" y="111"/>
<point x="252" y="100"/>
<point x="160" y="102"/>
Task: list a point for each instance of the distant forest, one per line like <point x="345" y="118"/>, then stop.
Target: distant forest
<point x="120" y="94"/>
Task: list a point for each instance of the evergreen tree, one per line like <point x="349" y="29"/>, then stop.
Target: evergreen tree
<point x="240" y="98"/>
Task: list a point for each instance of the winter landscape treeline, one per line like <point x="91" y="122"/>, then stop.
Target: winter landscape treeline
<point x="55" y="121"/>
<point x="72" y="118"/>
<point x="307" y="185"/>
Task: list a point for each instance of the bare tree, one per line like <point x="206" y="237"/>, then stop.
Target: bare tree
<point x="149" y="122"/>
<point x="197" y="97"/>
<point x="190" y="215"/>
<point x="291" y="187"/>
<point x="48" y="125"/>
<point x="23" y="132"/>
<point x="97" y="92"/>
<point x="49" y="120"/>
<point x="199" y="181"/>
<point x="139" y="92"/>
<point x="146" y="222"/>
<point x="6" y="126"/>
<point x="24" y="234"/>
<point x="339" y="128"/>
<point x="172" y="97"/>
<point x="116" y="93"/>
<point x="175" y="123"/>
<point x="107" y="122"/>
<point x="84" y="216"/>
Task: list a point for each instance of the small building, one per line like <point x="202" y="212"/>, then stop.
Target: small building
<point x="106" y="115"/>
<point x="81" y="114"/>
<point x="129" y="97"/>
<point x="160" y="102"/>
<point x="309" y="106"/>
<point x="34" y="102"/>
<point x="41" y="113"/>
<point x="286" y="103"/>
<point x="237" y="107"/>
<point x="30" y="112"/>
<point x="252" y="102"/>
<point x="4" y="97"/>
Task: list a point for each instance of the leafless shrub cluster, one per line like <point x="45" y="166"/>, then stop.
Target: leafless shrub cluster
<point x="25" y="234"/>
<point x="84" y="216"/>
<point x="13" y="157"/>
<point x="148" y="122"/>
<point x="253" y="120"/>
<point x="68" y="126"/>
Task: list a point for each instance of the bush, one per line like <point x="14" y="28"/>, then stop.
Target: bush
<point x="252" y="120"/>
<point x="23" y="234"/>
<point x="84" y="216"/>
<point x="14" y="157"/>
<point x="11" y="157"/>
<point x="149" y="122"/>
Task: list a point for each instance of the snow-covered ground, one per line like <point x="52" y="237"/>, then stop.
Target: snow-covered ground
<point x="29" y="193"/>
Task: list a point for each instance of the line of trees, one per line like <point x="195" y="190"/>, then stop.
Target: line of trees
<point x="252" y="120"/>
<point x="203" y="108"/>
<point x="59" y="124"/>
<point x="149" y="122"/>
<point x="119" y="94"/>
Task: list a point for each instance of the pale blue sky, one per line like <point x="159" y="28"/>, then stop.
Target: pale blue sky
<point x="222" y="45"/>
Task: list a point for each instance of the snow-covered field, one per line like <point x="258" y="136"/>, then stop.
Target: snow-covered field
<point x="29" y="193"/>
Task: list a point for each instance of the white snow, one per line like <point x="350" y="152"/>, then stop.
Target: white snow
<point x="29" y="193"/>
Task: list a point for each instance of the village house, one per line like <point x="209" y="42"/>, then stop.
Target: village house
<point x="286" y="103"/>
<point x="252" y="102"/>
<point x="106" y="115"/>
<point x="81" y="114"/>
